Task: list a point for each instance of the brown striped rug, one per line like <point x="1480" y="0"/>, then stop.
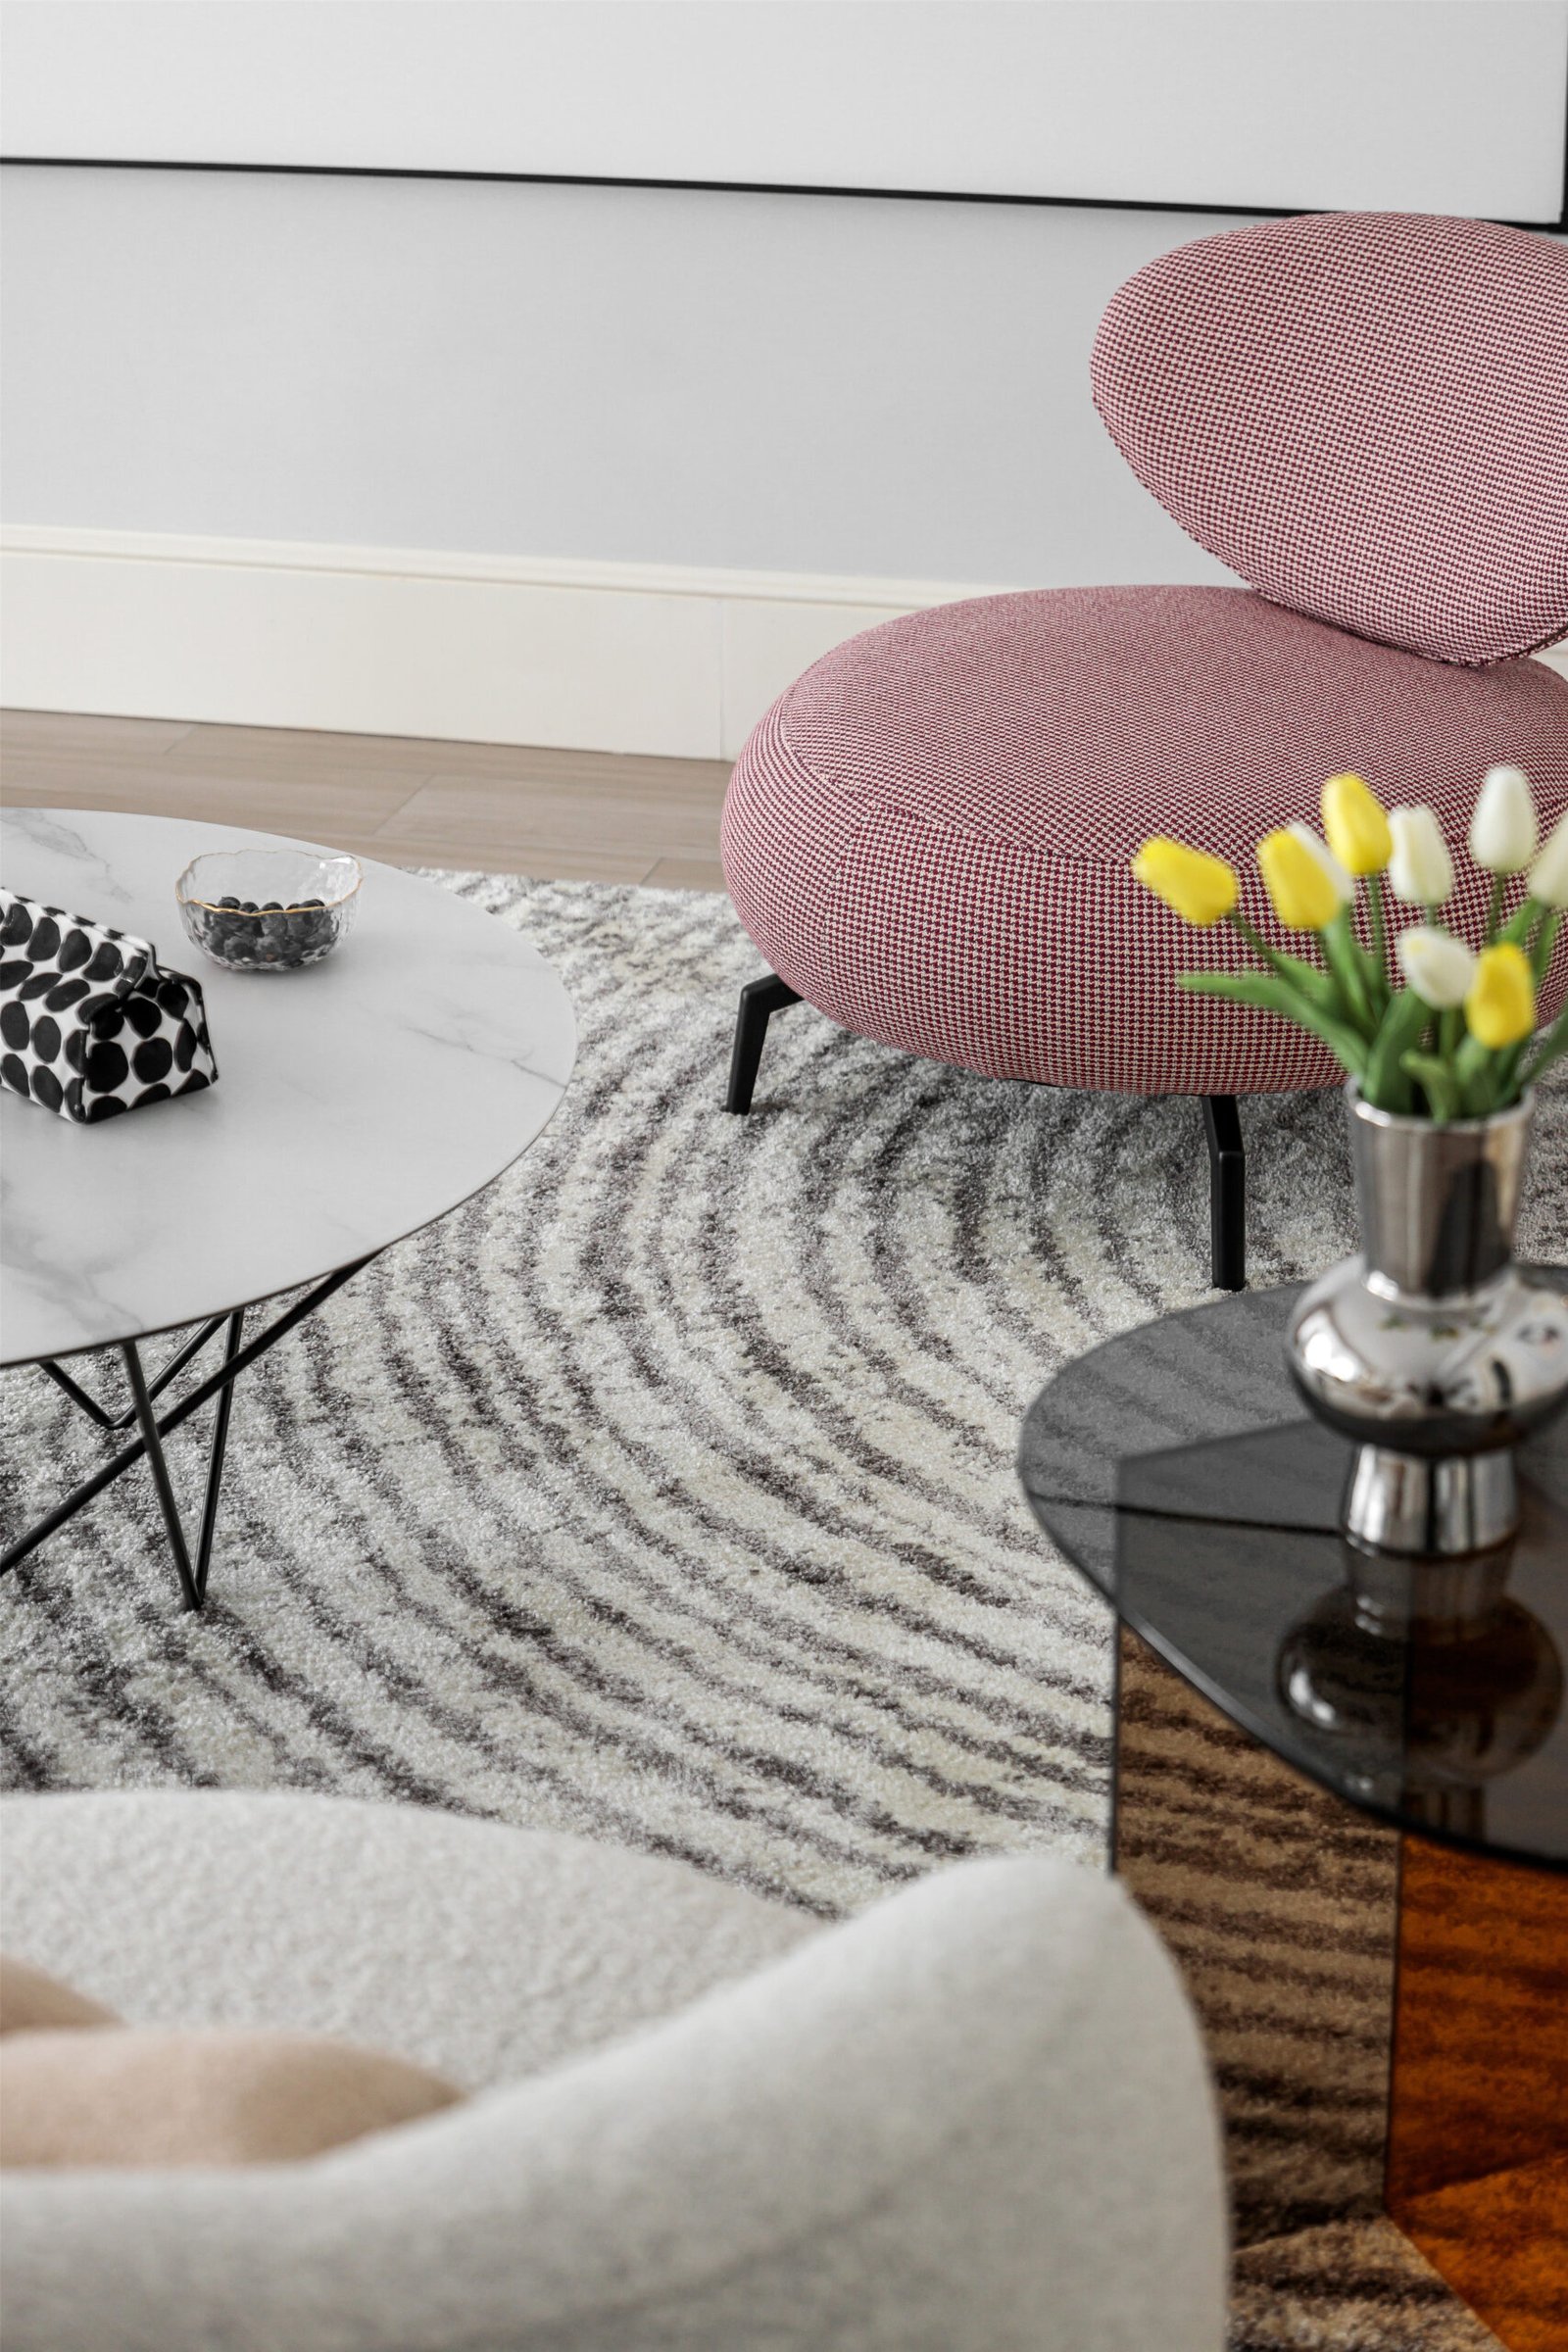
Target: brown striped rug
<point x="666" y="1492"/>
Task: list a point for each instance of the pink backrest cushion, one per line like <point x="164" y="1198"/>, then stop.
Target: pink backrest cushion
<point x="1365" y="415"/>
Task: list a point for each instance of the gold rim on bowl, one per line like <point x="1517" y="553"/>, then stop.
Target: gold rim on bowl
<point x="319" y="906"/>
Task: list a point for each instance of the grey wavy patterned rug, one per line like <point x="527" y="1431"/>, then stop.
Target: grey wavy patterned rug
<point x="666" y="1492"/>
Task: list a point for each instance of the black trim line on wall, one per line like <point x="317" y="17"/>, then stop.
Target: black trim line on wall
<point x="724" y="187"/>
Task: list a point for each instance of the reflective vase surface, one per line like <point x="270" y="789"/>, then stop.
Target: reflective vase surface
<point x="1432" y="1350"/>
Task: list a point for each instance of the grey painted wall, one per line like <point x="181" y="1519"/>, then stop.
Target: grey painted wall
<point x="790" y="383"/>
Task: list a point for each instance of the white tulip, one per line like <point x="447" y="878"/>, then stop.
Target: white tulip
<point x="1502" y="830"/>
<point x="1327" y="861"/>
<point x="1548" y="876"/>
<point x="1437" y="966"/>
<point x="1420" y="870"/>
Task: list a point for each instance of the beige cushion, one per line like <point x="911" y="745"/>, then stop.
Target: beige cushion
<point x="28" y="1999"/>
<point x="146" y="2095"/>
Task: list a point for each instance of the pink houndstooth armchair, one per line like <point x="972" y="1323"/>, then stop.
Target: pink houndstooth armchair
<point x="1366" y="417"/>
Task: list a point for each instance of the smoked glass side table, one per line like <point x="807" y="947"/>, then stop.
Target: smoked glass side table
<point x="1346" y="1808"/>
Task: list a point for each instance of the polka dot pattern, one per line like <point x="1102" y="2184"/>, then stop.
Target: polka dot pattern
<point x="90" y="1025"/>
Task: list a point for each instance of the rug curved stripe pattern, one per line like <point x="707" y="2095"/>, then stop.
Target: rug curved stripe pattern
<point x="666" y="1491"/>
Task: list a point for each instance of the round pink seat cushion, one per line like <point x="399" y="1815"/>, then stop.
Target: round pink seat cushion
<point x="930" y="835"/>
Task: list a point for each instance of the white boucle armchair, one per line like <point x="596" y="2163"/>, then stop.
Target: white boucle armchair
<point x="976" y="2118"/>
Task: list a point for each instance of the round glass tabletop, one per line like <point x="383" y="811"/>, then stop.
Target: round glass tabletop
<point x="357" y="1099"/>
<point x="1175" y="1466"/>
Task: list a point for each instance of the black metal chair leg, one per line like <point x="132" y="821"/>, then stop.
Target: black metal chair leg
<point x="1227" y="1191"/>
<point x="759" y="1000"/>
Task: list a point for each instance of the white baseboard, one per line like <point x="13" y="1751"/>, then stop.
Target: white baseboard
<point x="657" y="658"/>
<point x="388" y="641"/>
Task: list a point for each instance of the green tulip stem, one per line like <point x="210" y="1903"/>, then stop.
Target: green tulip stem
<point x="1436" y="1081"/>
<point x="1343" y="953"/>
<point x="1387" y="1084"/>
<point x="1258" y="944"/>
<point x="1522" y="922"/>
<point x="1478" y="1069"/>
<point x="1380" y="924"/>
<point x="1500" y="890"/>
<point x="1318" y="987"/>
<point x="1269" y="995"/>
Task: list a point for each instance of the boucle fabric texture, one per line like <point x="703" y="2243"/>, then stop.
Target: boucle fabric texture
<point x="183" y="2097"/>
<point x="1365" y="415"/>
<point x="666" y="1492"/>
<point x="407" y="1930"/>
<point x="976" y="2118"/>
<point x="929" y="834"/>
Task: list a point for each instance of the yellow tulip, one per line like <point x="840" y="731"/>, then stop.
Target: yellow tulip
<point x="1357" y="829"/>
<point x="1300" y="886"/>
<point x="1501" y="1009"/>
<point x="1200" y="888"/>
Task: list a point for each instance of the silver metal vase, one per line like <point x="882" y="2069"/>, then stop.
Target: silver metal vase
<point x="1433" y="1351"/>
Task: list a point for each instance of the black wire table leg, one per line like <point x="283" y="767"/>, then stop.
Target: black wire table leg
<point x="215" y="1458"/>
<point x="147" y="1422"/>
<point x="239" y="1353"/>
<point x="155" y="1387"/>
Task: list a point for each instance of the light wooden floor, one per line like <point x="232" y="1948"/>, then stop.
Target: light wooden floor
<point x="561" y="816"/>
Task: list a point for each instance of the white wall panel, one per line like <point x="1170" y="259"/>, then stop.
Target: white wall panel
<point x="774" y="383"/>
<point x="1412" y="105"/>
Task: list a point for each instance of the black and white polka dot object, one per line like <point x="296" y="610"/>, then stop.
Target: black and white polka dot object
<point x="90" y="1025"/>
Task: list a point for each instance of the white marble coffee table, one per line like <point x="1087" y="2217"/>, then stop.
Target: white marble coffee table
<point x="356" y="1100"/>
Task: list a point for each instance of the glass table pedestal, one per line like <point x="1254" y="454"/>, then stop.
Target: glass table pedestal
<point x="1353" y="1837"/>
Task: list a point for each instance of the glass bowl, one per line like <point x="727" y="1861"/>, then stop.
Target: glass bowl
<point x="268" y="910"/>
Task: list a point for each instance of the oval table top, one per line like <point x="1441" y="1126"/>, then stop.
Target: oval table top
<point x="357" y="1099"/>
